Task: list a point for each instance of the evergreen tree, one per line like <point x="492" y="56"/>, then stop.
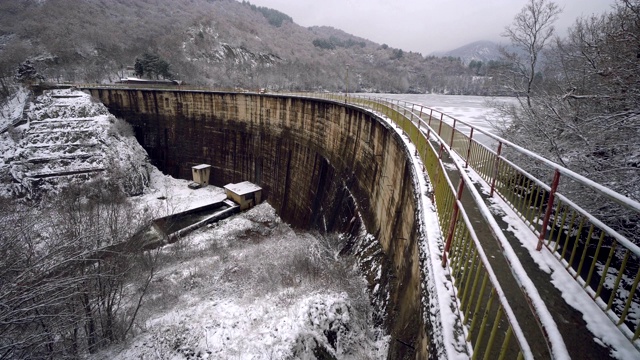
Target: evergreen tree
<point x="152" y="65"/>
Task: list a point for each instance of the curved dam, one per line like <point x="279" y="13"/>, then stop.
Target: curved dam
<point x="322" y="165"/>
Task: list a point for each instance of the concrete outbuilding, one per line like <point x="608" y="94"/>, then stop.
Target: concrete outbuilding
<point x="201" y="175"/>
<point x="246" y="194"/>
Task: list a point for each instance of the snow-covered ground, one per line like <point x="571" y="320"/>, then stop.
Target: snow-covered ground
<point x="68" y="137"/>
<point x="249" y="287"/>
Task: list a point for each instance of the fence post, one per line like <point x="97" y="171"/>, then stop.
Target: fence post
<point x="430" y="116"/>
<point x="452" y="224"/>
<point x="453" y="132"/>
<point x="404" y="119"/>
<point x="547" y="214"/>
<point x="466" y="164"/>
<point x="440" y="127"/>
<point x="495" y="168"/>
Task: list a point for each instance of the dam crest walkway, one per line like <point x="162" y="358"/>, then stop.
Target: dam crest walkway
<point x="535" y="274"/>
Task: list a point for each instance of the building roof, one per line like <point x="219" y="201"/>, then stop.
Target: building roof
<point x="242" y="188"/>
<point x="201" y="166"/>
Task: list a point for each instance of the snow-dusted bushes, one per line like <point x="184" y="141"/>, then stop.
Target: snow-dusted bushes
<point x="251" y="287"/>
<point x="579" y="107"/>
<point x="63" y="275"/>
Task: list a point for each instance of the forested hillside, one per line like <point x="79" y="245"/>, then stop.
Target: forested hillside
<point x="221" y="43"/>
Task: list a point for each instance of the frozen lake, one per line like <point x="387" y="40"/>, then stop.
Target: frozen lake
<point x="474" y="110"/>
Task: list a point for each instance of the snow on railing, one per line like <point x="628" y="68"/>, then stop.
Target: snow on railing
<point x="603" y="261"/>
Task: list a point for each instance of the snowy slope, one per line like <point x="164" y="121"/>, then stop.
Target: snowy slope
<point x="232" y="291"/>
<point x="68" y="137"/>
<point x="484" y="51"/>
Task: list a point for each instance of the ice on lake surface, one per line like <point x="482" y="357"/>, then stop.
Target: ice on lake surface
<point x="473" y="110"/>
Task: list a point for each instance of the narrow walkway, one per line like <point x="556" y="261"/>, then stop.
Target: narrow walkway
<point x="578" y="339"/>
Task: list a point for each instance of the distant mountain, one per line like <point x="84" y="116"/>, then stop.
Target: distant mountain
<point x="484" y="51"/>
<point x="219" y="43"/>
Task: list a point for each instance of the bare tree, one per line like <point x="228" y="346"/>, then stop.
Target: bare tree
<point x="529" y="33"/>
<point x="63" y="273"/>
<point x="583" y="110"/>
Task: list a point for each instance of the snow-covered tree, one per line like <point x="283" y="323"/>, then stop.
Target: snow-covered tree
<point x="583" y="110"/>
<point x="62" y="280"/>
<point x="530" y="32"/>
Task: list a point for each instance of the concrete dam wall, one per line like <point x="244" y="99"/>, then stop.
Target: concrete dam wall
<point x="322" y="165"/>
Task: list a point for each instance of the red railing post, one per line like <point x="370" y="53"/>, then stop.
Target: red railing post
<point x="466" y="164"/>
<point x="547" y="214"/>
<point x="452" y="224"/>
<point x="453" y="132"/>
<point x="430" y="116"/>
<point x="495" y="168"/>
<point x="440" y="127"/>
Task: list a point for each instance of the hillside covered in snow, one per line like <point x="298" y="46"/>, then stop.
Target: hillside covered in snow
<point x="222" y="44"/>
<point x="66" y="137"/>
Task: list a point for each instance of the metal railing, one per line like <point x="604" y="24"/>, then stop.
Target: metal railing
<point x="601" y="259"/>
<point x="490" y="321"/>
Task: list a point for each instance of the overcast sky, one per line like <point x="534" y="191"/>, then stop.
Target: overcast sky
<point x="424" y="26"/>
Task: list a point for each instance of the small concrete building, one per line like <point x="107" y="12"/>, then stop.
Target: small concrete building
<point x="131" y="72"/>
<point x="246" y="194"/>
<point x="200" y="175"/>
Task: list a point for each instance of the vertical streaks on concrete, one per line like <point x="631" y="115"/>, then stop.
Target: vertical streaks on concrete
<point x="321" y="164"/>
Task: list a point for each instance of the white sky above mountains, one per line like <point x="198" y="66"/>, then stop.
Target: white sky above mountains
<point x="424" y="26"/>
